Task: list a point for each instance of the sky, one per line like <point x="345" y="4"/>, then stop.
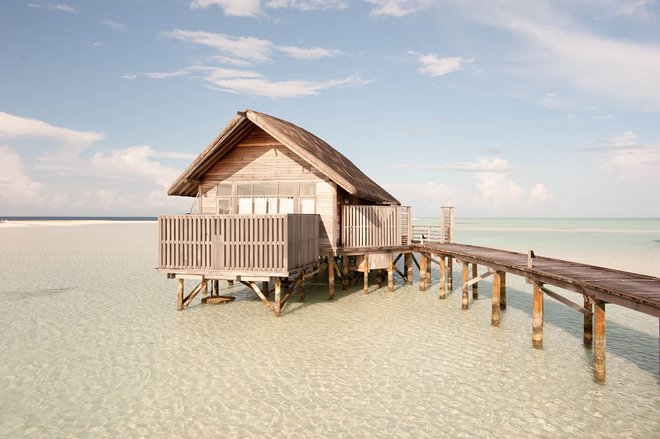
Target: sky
<point x="499" y="107"/>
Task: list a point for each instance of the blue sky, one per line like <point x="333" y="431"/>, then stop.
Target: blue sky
<point x="500" y="108"/>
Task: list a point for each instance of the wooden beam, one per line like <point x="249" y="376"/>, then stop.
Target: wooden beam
<point x="587" y="327"/>
<point x="475" y="285"/>
<point x="599" y="341"/>
<point x="366" y="275"/>
<point x="537" y="317"/>
<point x="390" y="275"/>
<point x="415" y="261"/>
<point x="344" y="272"/>
<point x="503" y="291"/>
<point x="408" y="267"/>
<point x="278" y="292"/>
<point x="450" y="273"/>
<point x="256" y="289"/>
<point x="422" y="272"/>
<point x="216" y="287"/>
<point x="495" y="307"/>
<point x="331" y="276"/>
<point x="189" y="298"/>
<point x="565" y="301"/>
<point x="481" y="277"/>
<point x="443" y="278"/>
<point x="399" y="272"/>
<point x="179" y="293"/>
<point x="429" y="264"/>
<point x="464" y="299"/>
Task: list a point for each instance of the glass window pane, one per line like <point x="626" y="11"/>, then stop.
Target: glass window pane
<point x="223" y="206"/>
<point x="264" y="189"/>
<point x="307" y="189"/>
<point x="286" y="205"/>
<point x="272" y="205"/>
<point x="224" y="189"/>
<point x="287" y="189"/>
<point x="307" y="205"/>
<point x="244" y="206"/>
<point x="244" y="189"/>
<point x="261" y="206"/>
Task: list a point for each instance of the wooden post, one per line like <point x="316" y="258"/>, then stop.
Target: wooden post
<point x="216" y="287"/>
<point x="331" y="276"/>
<point x="230" y="283"/>
<point x="366" y="275"/>
<point x="278" y="299"/>
<point x="475" y="286"/>
<point x="301" y="287"/>
<point x="464" y="287"/>
<point x="379" y="277"/>
<point x="588" y="333"/>
<point x="179" y="293"/>
<point x="408" y="259"/>
<point x="450" y="273"/>
<point x="537" y="317"/>
<point x="503" y="290"/>
<point x="429" y="264"/>
<point x="264" y="288"/>
<point x="390" y="274"/>
<point x="344" y="272"/>
<point x="443" y="280"/>
<point x="422" y="272"/>
<point x="599" y="341"/>
<point x="495" y="307"/>
<point x="205" y="287"/>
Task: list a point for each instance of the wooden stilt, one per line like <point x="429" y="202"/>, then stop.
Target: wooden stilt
<point x="331" y="276"/>
<point x="429" y="264"/>
<point x="278" y="300"/>
<point x="301" y="287"/>
<point x="475" y="286"/>
<point x="390" y="275"/>
<point x="216" y="287"/>
<point x="179" y="293"/>
<point x="344" y="272"/>
<point x="464" y="287"/>
<point x="366" y="275"/>
<point x="443" y="280"/>
<point x="379" y="277"/>
<point x="422" y="272"/>
<point x="205" y="288"/>
<point x="588" y="333"/>
<point x="503" y="290"/>
<point x="408" y="268"/>
<point x="450" y="273"/>
<point x="599" y="341"/>
<point x="537" y="317"/>
<point x="495" y="307"/>
<point x="189" y="298"/>
<point x="264" y="299"/>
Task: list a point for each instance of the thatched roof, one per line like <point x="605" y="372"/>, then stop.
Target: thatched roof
<point x="306" y="145"/>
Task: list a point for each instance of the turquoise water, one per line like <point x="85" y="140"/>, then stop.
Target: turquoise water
<point x="93" y="346"/>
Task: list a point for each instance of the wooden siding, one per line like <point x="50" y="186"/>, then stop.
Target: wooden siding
<point x="259" y="243"/>
<point x="326" y="207"/>
<point x="371" y="226"/>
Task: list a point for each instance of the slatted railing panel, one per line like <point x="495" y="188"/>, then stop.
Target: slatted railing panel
<point x="428" y="233"/>
<point x="238" y="242"/>
<point x="371" y="226"/>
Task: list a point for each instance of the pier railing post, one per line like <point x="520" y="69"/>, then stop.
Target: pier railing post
<point x="537" y="317"/>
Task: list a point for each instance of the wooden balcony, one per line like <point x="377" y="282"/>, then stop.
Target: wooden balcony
<point x="237" y="245"/>
<point x="376" y="226"/>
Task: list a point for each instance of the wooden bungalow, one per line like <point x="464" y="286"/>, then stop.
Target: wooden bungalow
<point x="273" y="201"/>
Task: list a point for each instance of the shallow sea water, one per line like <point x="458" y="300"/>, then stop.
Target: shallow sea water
<point x="93" y="346"/>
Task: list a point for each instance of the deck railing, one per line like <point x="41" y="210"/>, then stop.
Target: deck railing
<point x="429" y="233"/>
<point x="371" y="226"/>
<point x="239" y="243"/>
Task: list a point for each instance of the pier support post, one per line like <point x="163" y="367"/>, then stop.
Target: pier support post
<point x="408" y="267"/>
<point x="537" y="317"/>
<point x="495" y="307"/>
<point x="390" y="274"/>
<point x="216" y="287"/>
<point x="599" y="341"/>
<point x="179" y="293"/>
<point x="475" y="286"/>
<point x="301" y="288"/>
<point x="278" y="299"/>
<point x="464" y="287"/>
<point x="443" y="280"/>
<point x="205" y="287"/>
<point x="344" y="272"/>
<point x="366" y="275"/>
<point x="588" y="333"/>
<point x="230" y="283"/>
<point x="331" y="276"/>
<point x="450" y="273"/>
<point x="422" y="272"/>
<point x="503" y="290"/>
<point x="429" y="264"/>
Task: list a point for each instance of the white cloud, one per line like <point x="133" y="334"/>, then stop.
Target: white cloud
<point x="238" y="8"/>
<point x="97" y="44"/>
<point x="434" y="66"/>
<point x="285" y="89"/>
<point x="628" y="159"/>
<point x="308" y="5"/>
<point x="307" y="53"/>
<point x="495" y="190"/>
<point x="129" y="76"/>
<point x="115" y="26"/>
<point x="71" y="141"/>
<point x="398" y="8"/>
<point x="54" y="7"/>
<point x="16" y="186"/>
<point x="135" y="162"/>
<point x="540" y="194"/>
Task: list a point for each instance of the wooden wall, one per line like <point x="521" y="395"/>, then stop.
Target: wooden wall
<point x="260" y="157"/>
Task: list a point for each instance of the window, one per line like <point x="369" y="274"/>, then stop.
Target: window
<point x="224" y="198"/>
<point x="271" y="198"/>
